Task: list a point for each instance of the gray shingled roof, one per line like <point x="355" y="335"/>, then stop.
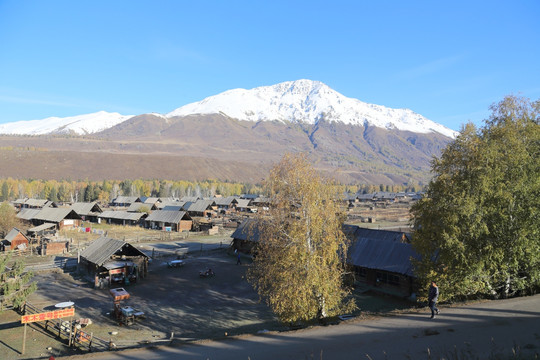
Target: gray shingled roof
<point x="391" y="256"/>
<point x="121" y="215"/>
<point x="365" y="196"/>
<point x="355" y="232"/>
<point x="136" y="206"/>
<point x="261" y="199"/>
<point x="151" y="200"/>
<point x="101" y="250"/>
<point x="55" y="215"/>
<point x="28" y="214"/>
<point x="84" y="208"/>
<point x="248" y="230"/>
<point x="173" y="208"/>
<point x="12" y="233"/>
<point x="42" y="227"/>
<point x="166" y="216"/>
<point x="243" y="203"/>
<point x="225" y="201"/>
<point x="200" y="205"/>
<point x="37" y="202"/>
<point x="172" y="203"/>
<point x="125" y="199"/>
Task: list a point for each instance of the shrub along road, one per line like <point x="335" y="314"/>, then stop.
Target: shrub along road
<point x="470" y="331"/>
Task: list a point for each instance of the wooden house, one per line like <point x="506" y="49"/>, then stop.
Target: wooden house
<point x="122" y="217"/>
<point x="246" y="236"/>
<point x="113" y="262"/>
<point x="243" y="205"/>
<point x="227" y="204"/>
<point x="384" y="197"/>
<point x="87" y="211"/>
<point x="382" y="259"/>
<point x="202" y="208"/>
<point x="27" y="203"/>
<point x="261" y="203"/>
<point x="169" y="220"/>
<point x="365" y="197"/>
<point x="63" y="218"/>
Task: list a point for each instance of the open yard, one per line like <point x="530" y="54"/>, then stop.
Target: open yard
<point x="174" y="300"/>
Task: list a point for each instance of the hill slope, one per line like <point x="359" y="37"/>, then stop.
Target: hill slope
<point x="236" y="136"/>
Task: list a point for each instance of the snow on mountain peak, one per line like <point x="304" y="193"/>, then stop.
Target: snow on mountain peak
<point x="303" y="101"/>
<point x="80" y="124"/>
<point x="308" y="101"/>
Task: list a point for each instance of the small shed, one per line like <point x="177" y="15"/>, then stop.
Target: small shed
<point x="42" y="230"/>
<point x="15" y="240"/>
<point x="113" y="262"/>
<point x="54" y="247"/>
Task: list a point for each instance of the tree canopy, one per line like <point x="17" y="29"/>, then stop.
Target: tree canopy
<point x="15" y="285"/>
<point x="299" y="265"/>
<point x="478" y="228"/>
<point x="8" y="218"/>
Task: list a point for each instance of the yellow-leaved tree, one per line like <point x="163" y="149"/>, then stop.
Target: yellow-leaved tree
<point x="300" y="257"/>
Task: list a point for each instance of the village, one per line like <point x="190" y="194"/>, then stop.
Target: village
<point x="146" y="270"/>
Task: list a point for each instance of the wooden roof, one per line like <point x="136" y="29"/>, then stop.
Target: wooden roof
<point x="84" y="208"/>
<point x="103" y="248"/>
<point x="121" y="215"/>
<point x="166" y="216"/>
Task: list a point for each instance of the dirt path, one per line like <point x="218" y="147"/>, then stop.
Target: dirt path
<point x="472" y="331"/>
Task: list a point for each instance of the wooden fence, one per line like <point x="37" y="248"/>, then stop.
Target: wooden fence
<point x="67" y="330"/>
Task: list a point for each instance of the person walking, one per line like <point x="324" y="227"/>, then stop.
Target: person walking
<point x="433" y="296"/>
<point x="238" y="261"/>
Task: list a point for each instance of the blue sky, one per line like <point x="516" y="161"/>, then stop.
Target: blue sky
<point x="448" y="61"/>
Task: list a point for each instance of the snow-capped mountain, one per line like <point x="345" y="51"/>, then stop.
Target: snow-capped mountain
<point x="347" y="138"/>
<point x="308" y="101"/>
<point x="304" y="101"/>
<point x="81" y="124"/>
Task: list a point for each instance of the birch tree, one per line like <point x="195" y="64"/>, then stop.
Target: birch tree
<point x="299" y="264"/>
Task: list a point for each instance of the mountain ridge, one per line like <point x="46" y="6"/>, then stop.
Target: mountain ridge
<point x="309" y="102"/>
<point x="300" y="101"/>
<point x="217" y="145"/>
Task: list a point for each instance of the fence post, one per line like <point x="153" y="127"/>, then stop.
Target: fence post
<point x="24" y="336"/>
<point x="90" y="342"/>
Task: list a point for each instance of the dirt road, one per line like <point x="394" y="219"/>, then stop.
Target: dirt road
<point x="480" y="330"/>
